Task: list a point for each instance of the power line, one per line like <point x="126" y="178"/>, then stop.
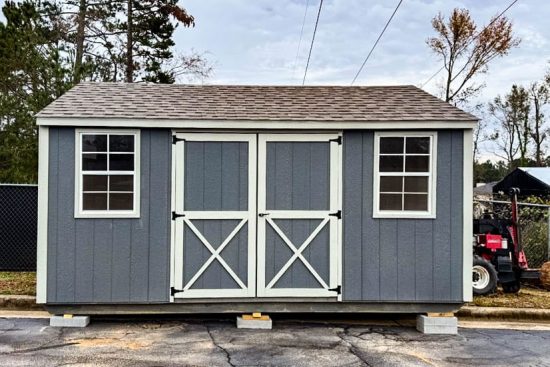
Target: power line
<point x="300" y="41"/>
<point x="472" y="40"/>
<point x="312" y="41"/>
<point x="376" y="43"/>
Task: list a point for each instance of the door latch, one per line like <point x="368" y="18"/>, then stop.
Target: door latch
<point x="263" y="214"/>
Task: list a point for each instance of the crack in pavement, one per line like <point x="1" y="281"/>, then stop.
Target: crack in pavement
<point x="36" y="349"/>
<point x="225" y="351"/>
<point x="350" y="346"/>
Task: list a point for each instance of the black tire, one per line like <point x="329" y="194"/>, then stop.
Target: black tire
<point x="512" y="287"/>
<point x="484" y="277"/>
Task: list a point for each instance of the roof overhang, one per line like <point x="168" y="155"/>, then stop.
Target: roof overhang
<point x="255" y="125"/>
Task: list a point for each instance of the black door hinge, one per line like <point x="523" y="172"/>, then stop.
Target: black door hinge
<point x="337" y="140"/>
<point x="173" y="291"/>
<point x="338" y="214"/>
<point x="338" y="289"/>
<point x="175" y="139"/>
<point x="174" y="215"/>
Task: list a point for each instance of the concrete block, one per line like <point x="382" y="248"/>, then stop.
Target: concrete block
<point x="253" y="324"/>
<point x="437" y="325"/>
<point x="74" y="321"/>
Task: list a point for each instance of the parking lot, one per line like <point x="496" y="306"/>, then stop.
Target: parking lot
<point x="309" y="342"/>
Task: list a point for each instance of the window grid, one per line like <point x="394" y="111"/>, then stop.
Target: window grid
<point x="107" y="172"/>
<point x="404" y="173"/>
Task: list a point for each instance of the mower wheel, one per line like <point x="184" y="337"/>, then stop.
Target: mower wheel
<point x="484" y="277"/>
<point x="512" y="287"/>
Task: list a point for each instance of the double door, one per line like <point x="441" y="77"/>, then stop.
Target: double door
<point x="256" y="215"/>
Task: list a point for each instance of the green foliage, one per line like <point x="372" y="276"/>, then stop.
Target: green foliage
<point x="489" y="172"/>
<point x="46" y="46"/>
<point x="31" y="76"/>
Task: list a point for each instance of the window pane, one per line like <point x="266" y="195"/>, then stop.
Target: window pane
<point x="391" y="201"/>
<point x="121" y="143"/>
<point x="121" y="162"/>
<point x="418" y="145"/>
<point x="94" y="162"/>
<point x="417" y="163"/>
<point x="416" y="184"/>
<point x="391" y="184"/>
<point x="94" y="143"/>
<point x="391" y="145"/>
<point x="391" y="163"/>
<point x="121" y="201"/>
<point x="416" y="202"/>
<point x="121" y="183"/>
<point x="94" y="183"/>
<point x="94" y="201"/>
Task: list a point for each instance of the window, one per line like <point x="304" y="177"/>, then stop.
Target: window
<point x="107" y="174"/>
<point x="404" y="175"/>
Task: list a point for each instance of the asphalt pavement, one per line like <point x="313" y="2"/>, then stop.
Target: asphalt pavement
<point x="300" y="342"/>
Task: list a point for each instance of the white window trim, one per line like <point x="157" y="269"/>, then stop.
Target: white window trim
<point x="78" y="211"/>
<point x="432" y="182"/>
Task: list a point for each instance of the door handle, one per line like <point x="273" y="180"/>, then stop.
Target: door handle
<point x="263" y="214"/>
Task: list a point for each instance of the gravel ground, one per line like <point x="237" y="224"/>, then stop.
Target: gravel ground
<point x="211" y="342"/>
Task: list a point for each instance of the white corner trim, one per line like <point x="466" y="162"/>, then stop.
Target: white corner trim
<point x="78" y="211"/>
<point x="42" y="235"/>
<point x="467" y="256"/>
<point x="432" y="175"/>
<point x="248" y="124"/>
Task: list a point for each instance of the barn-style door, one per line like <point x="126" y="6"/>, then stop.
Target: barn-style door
<point x="215" y="215"/>
<point x="247" y="227"/>
<point x="298" y="215"/>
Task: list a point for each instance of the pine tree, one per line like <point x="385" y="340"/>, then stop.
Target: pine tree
<point x="32" y="74"/>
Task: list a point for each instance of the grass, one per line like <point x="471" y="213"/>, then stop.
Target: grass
<point x="21" y="283"/>
<point x="526" y="298"/>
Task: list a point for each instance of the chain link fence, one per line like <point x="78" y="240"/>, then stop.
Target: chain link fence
<point x="533" y="222"/>
<point x="18" y="220"/>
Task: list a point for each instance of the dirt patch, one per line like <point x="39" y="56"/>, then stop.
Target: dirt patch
<point x="526" y="298"/>
<point x="111" y="342"/>
<point x="18" y="283"/>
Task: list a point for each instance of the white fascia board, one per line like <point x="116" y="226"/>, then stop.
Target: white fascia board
<point x="253" y="125"/>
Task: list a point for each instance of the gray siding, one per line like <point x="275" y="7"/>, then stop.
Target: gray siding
<point x="402" y="259"/>
<point x="109" y="260"/>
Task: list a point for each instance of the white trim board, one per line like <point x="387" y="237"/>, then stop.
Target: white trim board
<point x="467" y="210"/>
<point x="42" y="235"/>
<point x="251" y="124"/>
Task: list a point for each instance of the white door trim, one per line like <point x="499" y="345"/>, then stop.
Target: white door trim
<point x="266" y="290"/>
<point x="248" y="286"/>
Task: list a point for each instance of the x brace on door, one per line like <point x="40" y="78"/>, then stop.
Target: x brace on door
<point x="297" y="253"/>
<point x="215" y="254"/>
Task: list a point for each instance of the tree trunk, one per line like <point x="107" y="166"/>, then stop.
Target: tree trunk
<point x="81" y="24"/>
<point x="129" y="45"/>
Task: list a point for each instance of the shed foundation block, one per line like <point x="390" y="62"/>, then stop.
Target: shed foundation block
<point x="69" y="321"/>
<point x="447" y="325"/>
<point x="254" y="323"/>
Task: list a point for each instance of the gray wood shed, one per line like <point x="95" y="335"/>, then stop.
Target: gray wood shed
<point x="175" y="198"/>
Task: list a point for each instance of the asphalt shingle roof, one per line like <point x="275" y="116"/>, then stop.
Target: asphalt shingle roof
<point x="260" y="103"/>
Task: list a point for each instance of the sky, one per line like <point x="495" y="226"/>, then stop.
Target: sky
<point x="257" y="41"/>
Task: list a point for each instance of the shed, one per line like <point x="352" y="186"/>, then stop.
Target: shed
<point x="531" y="181"/>
<point x="180" y="198"/>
